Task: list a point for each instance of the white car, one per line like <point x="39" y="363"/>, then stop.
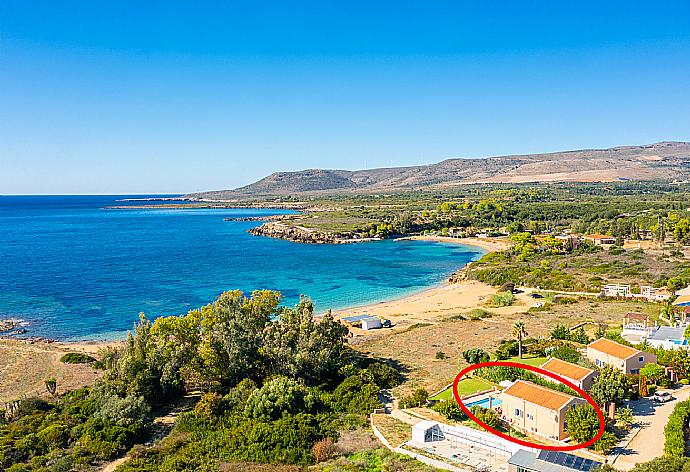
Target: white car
<point x="662" y="397"/>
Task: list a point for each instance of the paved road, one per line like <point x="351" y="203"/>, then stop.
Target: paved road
<point x="649" y="441"/>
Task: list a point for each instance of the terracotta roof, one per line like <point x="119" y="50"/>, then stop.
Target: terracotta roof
<point x="566" y="369"/>
<point x="613" y="348"/>
<point x="538" y="395"/>
<point x="636" y="316"/>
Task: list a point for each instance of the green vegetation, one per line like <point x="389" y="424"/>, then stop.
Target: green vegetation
<point x="675" y="444"/>
<point x="77" y="358"/>
<point x="466" y="386"/>
<point x="275" y="382"/>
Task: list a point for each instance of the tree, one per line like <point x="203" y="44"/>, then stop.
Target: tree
<point x="653" y="372"/>
<point x="582" y="423"/>
<point x="418" y="398"/>
<point x="232" y="334"/>
<point x="475" y="355"/>
<point x="519" y="332"/>
<point x="560" y="332"/>
<point x="609" y="386"/>
<point x="299" y="346"/>
<point x="664" y="464"/>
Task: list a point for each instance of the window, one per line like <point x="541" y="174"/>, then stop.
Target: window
<point x="641" y="359"/>
<point x="598" y="363"/>
<point x="634" y="371"/>
<point x="530" y="417"/>
<point x="518" y="413"/>
<point x="522" y="469"/>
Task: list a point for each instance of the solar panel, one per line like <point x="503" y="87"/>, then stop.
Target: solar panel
<point x="567" y="460"/>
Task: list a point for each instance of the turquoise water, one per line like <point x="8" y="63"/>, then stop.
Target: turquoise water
<point x="484" y="403"/>
<point x="74" y="270"/>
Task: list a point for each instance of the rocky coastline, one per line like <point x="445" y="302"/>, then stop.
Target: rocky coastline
<point x="300" y="234"/>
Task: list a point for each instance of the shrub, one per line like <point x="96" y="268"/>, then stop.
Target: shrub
<point x="674" y="431"/>
<point x="450" y="409"/>
<point x="486" y="415"/>
<point x="440" y="355"/>
<point x="418" y="398"/>
<point x="606" y="443"/>
<point x="501" y="299"/>
<point x="324" y="450"/>
<point x="209" y="405"/>
<point x="560" y="332"/>
<point x="276" y="398"/>
<point x="475" y="355"/>
<point x="384" y="375"/>
<point x="566" y="353"/>
<point x="506" y="350"/>
<point x="77" y="358"/>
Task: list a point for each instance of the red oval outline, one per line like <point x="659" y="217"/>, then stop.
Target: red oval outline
<point x="538" y="370"/>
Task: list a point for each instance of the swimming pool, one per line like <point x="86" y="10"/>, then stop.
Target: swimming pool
<point x="484" y="403"/>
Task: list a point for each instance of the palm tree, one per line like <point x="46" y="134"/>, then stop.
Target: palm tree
<point x="519" y="332"/>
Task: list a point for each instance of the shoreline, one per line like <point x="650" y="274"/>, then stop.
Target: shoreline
<point x="419" y="301"/>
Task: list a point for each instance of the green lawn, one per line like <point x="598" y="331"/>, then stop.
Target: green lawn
<point x="533" y="361"/>
<point x="466" y="386"/>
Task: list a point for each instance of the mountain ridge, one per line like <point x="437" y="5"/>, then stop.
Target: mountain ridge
<point x="667" y="160"/>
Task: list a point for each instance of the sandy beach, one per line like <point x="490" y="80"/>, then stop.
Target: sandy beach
<point x="444" y="301"/>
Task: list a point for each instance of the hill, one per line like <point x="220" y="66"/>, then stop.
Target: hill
<point x="665" y="160"/>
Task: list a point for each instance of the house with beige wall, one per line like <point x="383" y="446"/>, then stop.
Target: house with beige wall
<point x="580" y="376"/>
<point x="537" y="410"/>
<point x="628" y="360"/>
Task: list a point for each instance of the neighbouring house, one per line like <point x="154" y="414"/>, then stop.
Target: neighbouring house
<point x="682" y="300"/>
<point x="616" y="290"/>
<point x="549" y="461"/>
<point x="627" y="359"/>
<point x="537" y="410"/>
<point x="654" y="294"/>
<point x="668" y="337"/>
<point x="371" y="322"/>
<point x="576" y="374"/>
<point x="635" y="321"/>
<point x="600" y="239"/>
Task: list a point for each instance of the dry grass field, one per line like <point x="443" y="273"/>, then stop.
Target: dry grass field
<point x="25" y="366"/>
<point x="415" y="350"/>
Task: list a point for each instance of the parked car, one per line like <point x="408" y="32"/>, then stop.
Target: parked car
<point x="536" y="295"/>
<point x="662" y="397"/>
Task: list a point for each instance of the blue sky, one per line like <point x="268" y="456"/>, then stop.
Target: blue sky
<point x="173" y="97"/>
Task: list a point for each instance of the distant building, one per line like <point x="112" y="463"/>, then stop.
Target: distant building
<point x="537" y="410"/>
<point x="628" y="360"/>
<point x="371" y="322"/>
<point x="576" y="374"/>
<point x="654" y="294"/>
<point x="549" y="461"/>
<point x="616" y="290"/>
<point x="668" y="337"/>
<point x="600" y="239"/>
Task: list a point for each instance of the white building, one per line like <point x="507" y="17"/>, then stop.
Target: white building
<point x="371" y="322"/>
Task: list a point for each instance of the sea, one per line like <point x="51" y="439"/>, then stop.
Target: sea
<point x="72" y="269"/>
